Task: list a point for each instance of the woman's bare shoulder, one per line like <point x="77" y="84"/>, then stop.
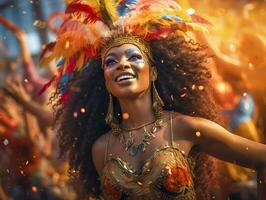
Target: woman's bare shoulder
<point x="185" y="120"/>
<point x="98" y="151"/>
<point x="183" y="124"/>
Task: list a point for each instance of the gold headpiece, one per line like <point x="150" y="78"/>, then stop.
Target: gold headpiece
<point x="127" y="39"/>
<point x="91" y="23"/>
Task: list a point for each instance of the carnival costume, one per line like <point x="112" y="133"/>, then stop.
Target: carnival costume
<point x="92" y="28"/>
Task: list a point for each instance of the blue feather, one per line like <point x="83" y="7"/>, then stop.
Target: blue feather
<point x="64" y="81"/>
<point x="172" y="17"/>
<point x="125" y="7"/>
<point x="60" y="63"/>
<point x="241" y="113"/>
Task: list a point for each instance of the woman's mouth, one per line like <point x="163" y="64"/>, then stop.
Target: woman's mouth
<point x="125" y="76"/>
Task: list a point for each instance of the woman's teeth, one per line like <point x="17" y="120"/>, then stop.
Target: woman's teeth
<point x="124" y="77"/>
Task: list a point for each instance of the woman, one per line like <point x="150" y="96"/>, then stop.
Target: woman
<point x="125" y="139"/>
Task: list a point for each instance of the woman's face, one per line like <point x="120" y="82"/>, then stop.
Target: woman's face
<point x="127" y="72"/>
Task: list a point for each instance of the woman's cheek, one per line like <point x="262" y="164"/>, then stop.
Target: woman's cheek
<point x="141" y="63"/>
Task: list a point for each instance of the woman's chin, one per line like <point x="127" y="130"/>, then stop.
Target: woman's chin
<point x="128" y="92"/>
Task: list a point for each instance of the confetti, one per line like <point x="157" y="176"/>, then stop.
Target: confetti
<point x="172" y="97"/>
<point x="67" y="44"/>
<point x="125" y="116"/>
<point x="251" y="66"/>
<point x="198" y="134"/>
<point x="75" y="114"/>
<point x="39" y="24"/>
<point x="83" y="110"/>
<point x="201" y="87"/>
<point x="5" y="142"/>
<point x="232" y="47"/>
<point x="183" y="95"/>
<point x="34" y="188"/>
<point x="190" y="11"/>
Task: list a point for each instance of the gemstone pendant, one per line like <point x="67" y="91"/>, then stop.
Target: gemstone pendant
<point x="134" y="150"/>
<point x="142" y="147"/>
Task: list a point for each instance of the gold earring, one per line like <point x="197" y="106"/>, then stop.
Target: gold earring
<point x="157" y="102"/>
<point x="109" y="119"/>
<point x="110" y="111"/>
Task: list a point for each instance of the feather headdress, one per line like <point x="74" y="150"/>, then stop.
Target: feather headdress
<point x="90" y="22"/>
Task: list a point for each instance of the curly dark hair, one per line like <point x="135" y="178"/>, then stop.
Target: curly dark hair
<point x="183" y="84"/>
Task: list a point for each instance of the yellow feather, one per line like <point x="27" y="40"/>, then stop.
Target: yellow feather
<point x="80" y="61"/>
<point x="196" y="27"/>
<point x="110" y="6"/>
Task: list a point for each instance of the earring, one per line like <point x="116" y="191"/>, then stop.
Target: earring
<point x="157" y="102"/>
<point x="110" y="111"/>
<point x="109" y="119"/>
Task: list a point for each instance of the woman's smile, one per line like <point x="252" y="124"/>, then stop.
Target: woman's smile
<point x="126" y="71"/>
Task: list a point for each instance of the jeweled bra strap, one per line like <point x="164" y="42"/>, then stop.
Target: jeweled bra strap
<point x="106" y="148"/>
<point x="171" y="129"/>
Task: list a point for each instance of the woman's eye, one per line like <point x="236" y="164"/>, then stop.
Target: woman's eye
<point x="135" y="57"/>
<point x="110" y="62"/>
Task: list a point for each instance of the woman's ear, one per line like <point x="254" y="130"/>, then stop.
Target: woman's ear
<point x="154" y="73"/>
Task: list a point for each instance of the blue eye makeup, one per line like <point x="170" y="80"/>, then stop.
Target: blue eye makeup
<point x="110" y="62"/>
<point x="135" y="56"/>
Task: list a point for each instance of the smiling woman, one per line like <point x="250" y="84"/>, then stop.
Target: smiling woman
<point x="127" y="71"/>
<point x="149" y="112"/>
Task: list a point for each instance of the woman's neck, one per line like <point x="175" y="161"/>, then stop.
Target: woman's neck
<point x="138" y="110"/>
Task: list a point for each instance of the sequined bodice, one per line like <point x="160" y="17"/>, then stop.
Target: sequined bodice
<point x="168" y="174"/>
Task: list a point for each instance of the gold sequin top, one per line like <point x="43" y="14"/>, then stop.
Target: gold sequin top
<point x="166" y="175"/>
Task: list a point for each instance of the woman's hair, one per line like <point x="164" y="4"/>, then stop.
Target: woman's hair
<point x="183" y="84"/>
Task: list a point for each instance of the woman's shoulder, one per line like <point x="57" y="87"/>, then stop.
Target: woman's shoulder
<point x="100" y="143"/>
<point x="183" y="124"/>
<point x="98" y="151"/>
<point x="179" y="118"/>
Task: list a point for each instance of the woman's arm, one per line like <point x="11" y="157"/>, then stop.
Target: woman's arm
<point x="220" y="143"/>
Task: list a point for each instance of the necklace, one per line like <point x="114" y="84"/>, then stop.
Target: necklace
<point x="129" y="142"/>
<point x="138" y="127"/>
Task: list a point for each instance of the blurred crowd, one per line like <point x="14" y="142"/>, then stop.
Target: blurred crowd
<point x="30" y="167"/>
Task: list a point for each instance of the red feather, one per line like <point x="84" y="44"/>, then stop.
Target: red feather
<point x="46" y="86"/>
<point x="199" y="19"/>
<point x="158" y="33"/>
<point x="71" y="65"/>
<point x="65" y="97"/>
<point x="48" y="47"/>
<point x="81" y="9"/>
<point x="90" y="52"/>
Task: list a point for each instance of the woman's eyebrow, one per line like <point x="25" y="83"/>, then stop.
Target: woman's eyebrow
<point x="131" y="50"/>
<point x="110" y="54"/>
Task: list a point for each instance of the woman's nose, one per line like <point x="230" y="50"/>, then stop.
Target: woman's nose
<point x="123" y="64"/>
